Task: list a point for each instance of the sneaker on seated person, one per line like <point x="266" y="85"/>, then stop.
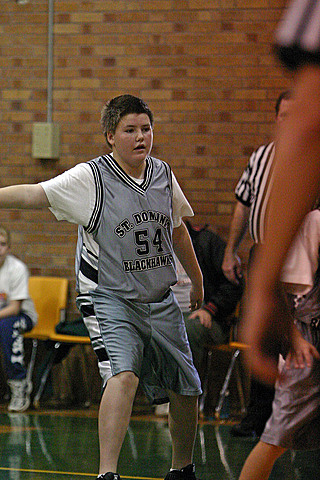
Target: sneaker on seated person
<point x="20" y="397"/>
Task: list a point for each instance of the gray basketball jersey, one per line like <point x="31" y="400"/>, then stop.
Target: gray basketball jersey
<point x="132" y="224"/>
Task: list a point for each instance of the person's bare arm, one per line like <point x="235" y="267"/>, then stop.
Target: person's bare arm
<point x="23" y="196"/>
<point x="13" y="308"/>
<point x="183" y="248"/>
<point x="231" y="265"/>
<point x="296" y="181"/>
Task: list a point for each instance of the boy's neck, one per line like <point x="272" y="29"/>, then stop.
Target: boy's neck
<point x="135" y="171"/>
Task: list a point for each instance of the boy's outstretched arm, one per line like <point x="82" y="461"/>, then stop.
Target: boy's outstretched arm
<point x="183" y="248"/>
<point x="23" y="196"/>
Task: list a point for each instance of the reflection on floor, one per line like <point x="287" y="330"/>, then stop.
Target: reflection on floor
<point x="64" y="445"/>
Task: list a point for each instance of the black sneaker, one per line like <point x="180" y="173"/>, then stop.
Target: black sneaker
<point x="186" y="473"/>
<point x="109" y="476"/>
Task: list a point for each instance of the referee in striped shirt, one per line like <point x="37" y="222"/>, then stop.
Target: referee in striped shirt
<point x="251" y="195"/>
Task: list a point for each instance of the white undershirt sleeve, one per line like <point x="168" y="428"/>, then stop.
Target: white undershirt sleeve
<point x="72" y="194"/>
<point x="180" y="205"/>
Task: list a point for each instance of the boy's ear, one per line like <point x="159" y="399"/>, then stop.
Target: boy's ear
<point x="110" y="138"/>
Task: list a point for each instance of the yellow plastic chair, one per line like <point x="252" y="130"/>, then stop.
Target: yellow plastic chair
<point x="50" y="298"/>
<point x="49" y="295"/>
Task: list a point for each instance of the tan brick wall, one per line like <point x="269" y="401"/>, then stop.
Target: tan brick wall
<point x="204" y="67"/>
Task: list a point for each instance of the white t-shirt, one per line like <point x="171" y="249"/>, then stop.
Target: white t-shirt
<point x="182" y="288"/>
<point x="302" y="260"/>
<point x="14" y="278"/>
<point x="72" y="196"/>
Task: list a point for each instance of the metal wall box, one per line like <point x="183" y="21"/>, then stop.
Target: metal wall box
<point x="45" y="140"/>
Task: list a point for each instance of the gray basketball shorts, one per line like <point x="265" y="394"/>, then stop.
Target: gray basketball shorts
<point x="295" y="419"/>
<point x="150" y="340"/>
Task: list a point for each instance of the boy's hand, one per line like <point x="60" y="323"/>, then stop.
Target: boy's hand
<point x="302" y="352"/>
<point x="272" y="334"/>
<point x="196" y="297"/>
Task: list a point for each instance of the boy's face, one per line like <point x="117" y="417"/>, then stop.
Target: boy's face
<point x="132" y="142"/>
<point x="4" y="249"/>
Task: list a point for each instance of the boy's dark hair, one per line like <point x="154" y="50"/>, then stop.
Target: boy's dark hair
<point x="118" y="107"/>
<point x="286" y="95"/>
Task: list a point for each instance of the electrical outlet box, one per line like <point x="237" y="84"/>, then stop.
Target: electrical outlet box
<point x="45" y="140"/>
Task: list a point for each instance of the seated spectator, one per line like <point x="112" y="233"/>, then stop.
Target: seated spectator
<point x="17" y="316"/>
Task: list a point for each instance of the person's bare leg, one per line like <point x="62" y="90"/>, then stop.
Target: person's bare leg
<point x="114" y="417"/>
<point x="183" y="421"/>
<point x="260" y="462"/>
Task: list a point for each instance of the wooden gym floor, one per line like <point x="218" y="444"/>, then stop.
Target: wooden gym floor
<point x="63" y="445"/>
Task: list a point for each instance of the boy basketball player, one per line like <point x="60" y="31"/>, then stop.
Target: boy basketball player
<point x="129" y="209"/>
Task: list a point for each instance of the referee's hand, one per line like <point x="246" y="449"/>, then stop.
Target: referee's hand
<point x="231" y="267"/>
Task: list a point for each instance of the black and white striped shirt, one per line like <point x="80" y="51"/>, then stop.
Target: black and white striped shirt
<point x="252" y="188"/>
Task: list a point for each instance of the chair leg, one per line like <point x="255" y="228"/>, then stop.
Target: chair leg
<point x="226" y="384"/>
<point x="85" y="376"/>
<point x="44" y="377"/>
<point x="206" y="373"/>
<point x="202" y="445"/>
<point x="31" y="364"/>
<point x="240" y="390"/>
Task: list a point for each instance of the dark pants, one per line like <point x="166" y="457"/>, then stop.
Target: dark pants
<point x="11" y="341"/>
<point x="200" y="336"/>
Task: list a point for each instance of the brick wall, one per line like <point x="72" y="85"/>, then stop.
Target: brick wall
<point x="204" y="67"/>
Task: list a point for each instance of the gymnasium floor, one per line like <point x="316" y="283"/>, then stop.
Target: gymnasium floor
<point x="63" y="445"/>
